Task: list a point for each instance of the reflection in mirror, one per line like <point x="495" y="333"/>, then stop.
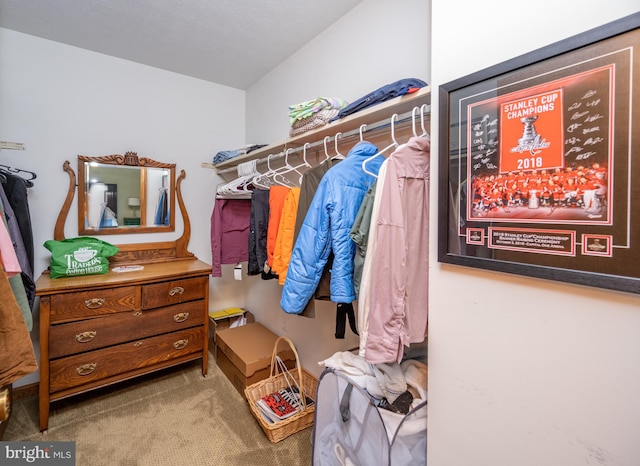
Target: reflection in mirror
<point x="125" y="194"/>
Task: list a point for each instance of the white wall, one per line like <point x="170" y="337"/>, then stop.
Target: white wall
<point x="376" y="43"/>
<point x="525" y="371"/>
<point x="62" y="101"/>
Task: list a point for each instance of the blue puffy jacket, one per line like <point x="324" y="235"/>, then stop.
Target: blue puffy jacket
<point x="326" y="228"/>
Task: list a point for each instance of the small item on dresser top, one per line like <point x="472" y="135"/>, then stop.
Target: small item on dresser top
<point x="82" y="255"/>
<point x="127" y="268"/>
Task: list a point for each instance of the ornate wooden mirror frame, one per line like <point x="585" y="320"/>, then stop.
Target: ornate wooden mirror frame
<point x="135" y="253"/>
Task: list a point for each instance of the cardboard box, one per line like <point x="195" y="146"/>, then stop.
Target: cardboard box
<point x="215" y="325"/>
<point x="244" y="354"/>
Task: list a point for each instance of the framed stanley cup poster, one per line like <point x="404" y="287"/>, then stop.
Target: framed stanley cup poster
<point x="540" y="162"/>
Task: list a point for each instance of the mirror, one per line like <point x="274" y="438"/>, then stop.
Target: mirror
<point x="125" y="194"/>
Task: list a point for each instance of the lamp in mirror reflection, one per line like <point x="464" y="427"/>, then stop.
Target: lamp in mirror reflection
<point x="134" y="204"/>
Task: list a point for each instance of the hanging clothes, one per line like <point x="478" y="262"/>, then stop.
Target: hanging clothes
<point x="359" y="234"/>
<point x="399" y="293"/>
<point x="326" y="228"/>
<point x="24" y="285"/>
<point x="17" y="357"/>
<point x="277" y="195"/>
<point x="10" y="260"/>
<point x="345" y="311"/>
<point x="229" y="233"/>
<point x="108" y="218"/>
<point x="17" y="290"/>
<point x="364" y="297"/>
<point x="258" y="223"/>
<point x="15" y="187"/>
<point x="284" y="241"/>
<point x="162" y="210"/>
<point x="308" y="187"/>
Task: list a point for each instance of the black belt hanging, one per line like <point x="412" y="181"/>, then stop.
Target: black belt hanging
<point x="344" y="311"/>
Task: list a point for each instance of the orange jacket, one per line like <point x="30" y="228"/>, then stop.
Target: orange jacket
<point x="284" y="241"/>
<point x="277" y="194"/>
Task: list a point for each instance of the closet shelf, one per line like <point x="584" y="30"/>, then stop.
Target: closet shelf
<point x="371" y="116"/>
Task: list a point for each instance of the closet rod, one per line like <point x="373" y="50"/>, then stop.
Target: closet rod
<point x="379" y="125"/>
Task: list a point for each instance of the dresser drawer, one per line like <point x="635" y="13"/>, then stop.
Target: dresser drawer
<point x="90" y="334"/>
<point x="80" y="369"/>
<point x="173" y="292"/>
<point x="82" y="304"/>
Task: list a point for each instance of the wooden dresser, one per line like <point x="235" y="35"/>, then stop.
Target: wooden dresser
<point x="100" y="329"/>
<point x="96" y="330"/>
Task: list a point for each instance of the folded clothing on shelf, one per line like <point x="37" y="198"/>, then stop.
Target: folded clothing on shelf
<point x="317" y="120"/>
<point x="382" y="94"/>
<point x="309" y="108"/>
<point x="312" y="114"/>
<point x="224" y="155"/>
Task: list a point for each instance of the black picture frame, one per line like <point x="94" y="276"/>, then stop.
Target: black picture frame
<point x="539" y="162"/>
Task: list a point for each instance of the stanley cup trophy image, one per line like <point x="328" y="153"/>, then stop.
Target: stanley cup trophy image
<point x="529" y="133"/>
<point x="528" y="136"/>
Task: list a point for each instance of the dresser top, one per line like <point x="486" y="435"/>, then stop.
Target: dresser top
<point x="152" y="272"/>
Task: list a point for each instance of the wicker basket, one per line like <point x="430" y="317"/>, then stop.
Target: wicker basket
<point x="302" y="419"/>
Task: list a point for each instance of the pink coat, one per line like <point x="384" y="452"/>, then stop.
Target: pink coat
<point x="400" y="281"/>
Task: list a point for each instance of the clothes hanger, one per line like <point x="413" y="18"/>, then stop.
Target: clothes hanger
<point x="413" y="120"/>
<point x="276" y="175"/>
<point x="262" y="180"/>
<point x="423" y="109"/>
<point x="290" y="168"/>
<point x="17" y="171"/>
<point x="249" y="170"/>
<point x="338" y="155"/>
<point x="239" y="187"/>
<point x="304" y="157"/>
<point x="20" y="170"/>
<point x="304" y="152"/>
<point x="326" y="152"/>
<point x="361" y="130"/>
<point x="393" y="145"/>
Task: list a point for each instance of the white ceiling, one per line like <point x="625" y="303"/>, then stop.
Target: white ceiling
<point x="230" y="42"/>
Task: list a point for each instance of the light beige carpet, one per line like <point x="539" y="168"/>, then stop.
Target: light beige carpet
<point x="175" y="417"/>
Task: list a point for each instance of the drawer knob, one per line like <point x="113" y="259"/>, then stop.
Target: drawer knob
<point x="181" y="343"/>
<point x="180" y="317"/>
<point x="86" y="337"/>
<point x="86" y="369"/>
<point x="176" y="290"/>
<point x="137" y="314"/>
<point x="94" y="303"/>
